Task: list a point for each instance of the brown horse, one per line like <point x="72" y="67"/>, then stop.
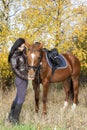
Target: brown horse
<point x="41" y="72"/>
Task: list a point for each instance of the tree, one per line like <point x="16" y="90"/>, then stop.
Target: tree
<point x="6" y="75"/>
<point x="56" y="23"/>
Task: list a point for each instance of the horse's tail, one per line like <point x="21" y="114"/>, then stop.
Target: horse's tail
<point x="71" y="90"/>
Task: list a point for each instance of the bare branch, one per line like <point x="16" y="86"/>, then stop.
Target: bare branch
<point x="2" y="12"/>
<point x="13" y="13"/>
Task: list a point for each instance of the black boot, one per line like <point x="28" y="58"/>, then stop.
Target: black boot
<point x="11" y="111"/>
<point x="16" y="113"/>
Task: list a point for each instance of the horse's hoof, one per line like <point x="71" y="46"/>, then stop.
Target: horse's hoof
<point x="73" y="107"/>
<point x="77" y="102"/>
<point x="44" y="113"/>
<point x="65" y="104"/>
<point x="36" y="110"/>
<point x="43" y="116"/>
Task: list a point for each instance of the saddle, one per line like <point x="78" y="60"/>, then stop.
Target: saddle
<point x="55" y="60"/>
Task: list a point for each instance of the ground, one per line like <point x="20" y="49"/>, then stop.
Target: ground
<point x="56" y="117"/>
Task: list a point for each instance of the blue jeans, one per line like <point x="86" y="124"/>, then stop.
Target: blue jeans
<point x="21" y="86"/>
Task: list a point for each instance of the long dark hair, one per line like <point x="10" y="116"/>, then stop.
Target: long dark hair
<point x="17" y="44"/>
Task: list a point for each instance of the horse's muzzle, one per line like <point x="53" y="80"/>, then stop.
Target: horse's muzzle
<point x="31" y="77"/>
<point x="31" y="74"/>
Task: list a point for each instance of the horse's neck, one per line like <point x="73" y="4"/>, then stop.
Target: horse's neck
<point x="44" y="60"/>
<point x="46" y="70"/>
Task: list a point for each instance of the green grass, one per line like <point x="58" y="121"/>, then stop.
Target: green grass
<point x="31" y="126"/>
<point x="56" y="119"/>
<point x="27" y="127"/>
<point x="18" y="127"/>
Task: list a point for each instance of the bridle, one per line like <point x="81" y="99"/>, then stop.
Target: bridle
<point x="32" y="67"/>
<point x="37" y="68"/>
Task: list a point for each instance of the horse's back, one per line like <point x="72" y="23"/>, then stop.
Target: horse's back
<point x="74" y="62"/>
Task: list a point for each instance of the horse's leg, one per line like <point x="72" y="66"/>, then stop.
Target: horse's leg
<point x="36" y="88"/>
<point x="67" y="91"/>
<point x="76" y="90"/>
<point x="44" y="98"/>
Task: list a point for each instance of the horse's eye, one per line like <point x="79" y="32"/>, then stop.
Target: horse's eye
<point x="38" y="58"/>
<point x="28" y="49"/>
<point x="39" y="50"/>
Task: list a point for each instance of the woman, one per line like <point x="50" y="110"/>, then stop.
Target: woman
<point x="17" y="59"/>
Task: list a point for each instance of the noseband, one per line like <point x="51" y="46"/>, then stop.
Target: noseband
<point x="37" y="69"/>
<point x="32" y="67"/>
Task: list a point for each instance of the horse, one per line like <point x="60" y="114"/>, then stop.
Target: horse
<point x="39" y="71"/>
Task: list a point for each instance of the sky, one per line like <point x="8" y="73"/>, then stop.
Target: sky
<point x="78" y="2"/>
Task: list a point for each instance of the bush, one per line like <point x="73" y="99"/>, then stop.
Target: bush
<point x="6" y="75"/>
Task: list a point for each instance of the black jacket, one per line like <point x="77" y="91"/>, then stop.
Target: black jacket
<point x="19" y="64"/>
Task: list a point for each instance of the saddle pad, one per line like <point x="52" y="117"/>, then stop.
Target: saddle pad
<point x="59" y="59"/>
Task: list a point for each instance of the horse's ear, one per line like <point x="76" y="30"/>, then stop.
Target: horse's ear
<point x="41" y="46"/>
<point x="27" y="45"/>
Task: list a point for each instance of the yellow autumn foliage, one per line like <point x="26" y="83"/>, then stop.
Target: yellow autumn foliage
<point x="6" y="73"/>
<point x="53" y="23"/>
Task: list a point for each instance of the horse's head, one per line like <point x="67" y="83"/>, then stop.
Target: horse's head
<point x="34" y="53"/>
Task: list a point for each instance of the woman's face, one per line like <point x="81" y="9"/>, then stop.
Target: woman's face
<point x="22" y="47"/>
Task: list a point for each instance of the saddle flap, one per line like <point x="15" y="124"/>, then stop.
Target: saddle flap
<point x="55" y="60"/>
